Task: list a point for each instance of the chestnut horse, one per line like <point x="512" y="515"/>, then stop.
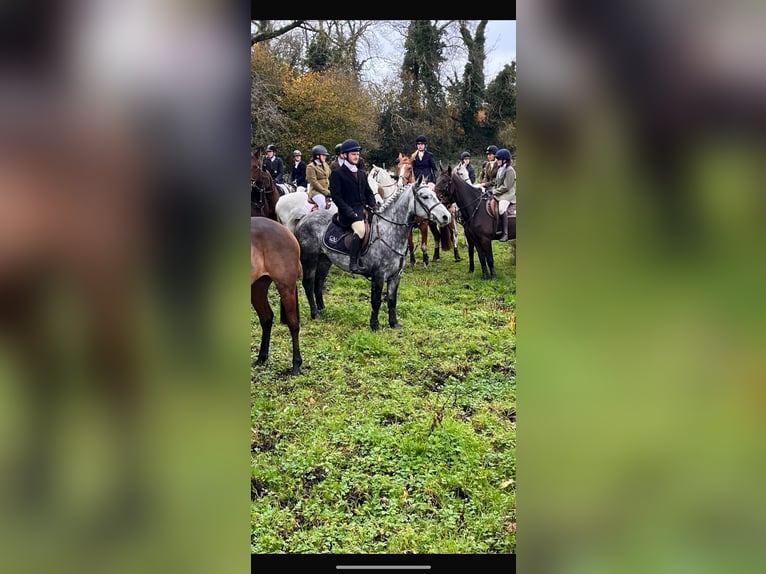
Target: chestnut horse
<point x="275" y="257"/>
<point x="406" y="175"/>
<point x="263" y="191"/>
<point x="444" y="237"/>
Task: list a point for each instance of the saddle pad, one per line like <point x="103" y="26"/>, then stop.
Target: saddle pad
<point x="335" y="237"/>
<point x="339" y="238"/>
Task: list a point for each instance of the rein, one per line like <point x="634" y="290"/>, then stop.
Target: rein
<point x="409" y="223"/>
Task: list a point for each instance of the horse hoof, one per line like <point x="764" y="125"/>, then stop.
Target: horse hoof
<point x="458" y="258"/>
<point x="396" y="326"/>
<point x="295" y="372"/>
<point x="260" y="362"/>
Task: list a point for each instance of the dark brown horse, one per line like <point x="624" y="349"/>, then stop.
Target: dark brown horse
<point x="263" y="191"/>
<point x="479" y="221"/>
<point x="275" y="257"/>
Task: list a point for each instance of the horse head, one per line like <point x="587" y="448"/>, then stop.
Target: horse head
<point x="428" y="205"/>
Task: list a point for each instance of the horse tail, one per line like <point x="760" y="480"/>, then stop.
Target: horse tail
<point x="446" y="238"/>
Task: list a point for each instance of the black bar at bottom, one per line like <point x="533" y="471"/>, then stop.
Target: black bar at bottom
<point x="378" y="563"/>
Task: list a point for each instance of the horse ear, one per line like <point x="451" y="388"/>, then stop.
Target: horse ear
<point x="441" y="166"/>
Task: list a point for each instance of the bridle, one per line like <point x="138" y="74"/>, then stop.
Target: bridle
<point x="261" y="191"/>
<point x="409" y="223"/>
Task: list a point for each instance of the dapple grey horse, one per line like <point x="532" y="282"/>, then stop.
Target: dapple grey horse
<point x="384" y="257"/>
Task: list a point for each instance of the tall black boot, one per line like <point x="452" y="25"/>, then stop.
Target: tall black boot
<point x="354" y="265"/>
<point x="504" y="236"/>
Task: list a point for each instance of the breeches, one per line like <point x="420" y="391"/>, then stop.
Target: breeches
<point x="358" y="228"/>
<point x="319" y="199"/>
<point x="503" y="205"/>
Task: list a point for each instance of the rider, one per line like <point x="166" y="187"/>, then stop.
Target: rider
<point x="339" y="158"/>
<point x="489" y="168"/>
<point x="273" y="164"/>
<point x="352" y="194"/>
<point x="465" y="157"/>
<point x="298" y="171"/>
<point x="423" y="162"/>
<point x="504" y="188"/>
<point x="318" y="176"/>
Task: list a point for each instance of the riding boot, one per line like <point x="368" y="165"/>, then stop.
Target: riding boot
<point x="354" y="265"/>
<point x="504" y="236"/>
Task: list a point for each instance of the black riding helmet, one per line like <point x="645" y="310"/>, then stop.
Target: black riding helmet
<point x="464" y="155"/>
<point x="492" y="149"/>
<point x="337" y="149"/>
<point x="421" y="139"/>
<point x="350" y="145"/>
<point x="271" y="147"/>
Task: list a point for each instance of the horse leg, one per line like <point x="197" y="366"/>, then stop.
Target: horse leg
<point x="391" y="296"/>
<point x="376" y="293"/>
<point x="471" y="249"/>
<point x="424" y="243"/>
<point x="411" y="247"/>
<point x="288" y="296"/>
<point x="490" y="257"/>
<point x="309" y="282"/>
<point x="260" y="300"/>
<point x="323" y="269"/>
<point x="435" y="232"/>
<point x="453" y="231"/>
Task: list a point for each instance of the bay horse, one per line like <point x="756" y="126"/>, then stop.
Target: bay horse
<point x="383" y="252"/>
<point x="75" y="231"/>
<point x="263" y="191"/>
<point x="275" y="258"/>
<point x="479" y="225"/>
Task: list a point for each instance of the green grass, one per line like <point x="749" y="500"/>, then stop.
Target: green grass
<point x="400" y="441"/>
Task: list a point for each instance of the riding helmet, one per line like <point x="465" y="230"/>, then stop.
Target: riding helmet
<point x="350" y="145"/>
<point x="318" y="150"/>
<point x="271" y="147"/>
<point x="297" y="152"/>
<point x="421" y="139"/>
<point x="492" y="149"/>
<point x="464" y="155"/>
<point x="503" y="154"/>
<point x="337" y="149"/>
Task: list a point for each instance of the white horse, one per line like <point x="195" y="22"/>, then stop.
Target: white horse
<point x="292" y="207"/>
<point x="381" y="183"/>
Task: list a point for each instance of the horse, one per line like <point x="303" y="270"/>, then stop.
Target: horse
<point x="383" y="253"/>
<point x="275" y="257"/>
<point x="263" y="191"/>
<point x="444" y="237"/>
<point x="479" y="222"/>
<point x="382" y="183"/>
<point x="406" y="175"/>
<point x="294" y="206"/>
<point x="75" y="233"/>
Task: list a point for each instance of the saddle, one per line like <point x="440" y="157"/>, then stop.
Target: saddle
<point x="338" y="238"/>
<point x="494" y="212"/>
<point x="314" y="206"/>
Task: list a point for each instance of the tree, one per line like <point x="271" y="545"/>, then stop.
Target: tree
<point x="421" y="92"/>
<point x="471" y="93"/>
<point x="501" y="101"/>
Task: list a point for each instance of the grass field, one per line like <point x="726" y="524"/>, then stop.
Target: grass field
<point x="400" y="441"/>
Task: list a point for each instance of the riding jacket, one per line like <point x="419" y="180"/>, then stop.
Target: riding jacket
<point x="505" y="184"/>
<point x="318" y="175"/>
<point x="351" y="193"/>
<point x="275" y="167"/>
<point x="298" y="174"/>
<point x="425" y="167"/>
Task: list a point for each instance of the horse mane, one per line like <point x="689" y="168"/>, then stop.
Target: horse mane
<point x="391" y="198"/>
